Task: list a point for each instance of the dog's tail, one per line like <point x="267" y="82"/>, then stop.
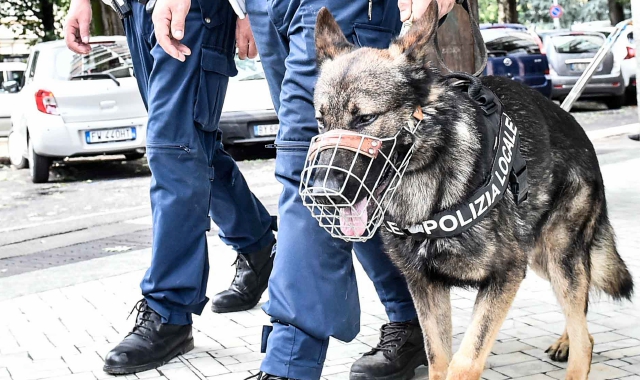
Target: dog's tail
<point x="608" y="272"/>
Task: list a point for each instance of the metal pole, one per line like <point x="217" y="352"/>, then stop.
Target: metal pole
<point x="556" y="21"/>
<point x="577" y="89"/>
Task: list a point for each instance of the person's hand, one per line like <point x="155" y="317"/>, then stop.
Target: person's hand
<point x="244" y="39"/>
<point x="168" y="22"/>
<point x="414" y="9"/>
<point x="76" y="28"/>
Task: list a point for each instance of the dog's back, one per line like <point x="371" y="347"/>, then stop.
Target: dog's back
<point x="567" y="188"/>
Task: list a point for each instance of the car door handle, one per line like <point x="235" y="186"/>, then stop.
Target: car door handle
<point x="107" y="104"/>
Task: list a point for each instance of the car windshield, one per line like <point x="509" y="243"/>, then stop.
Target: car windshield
<point x="248" y="69"/>
<point x="10" y="75"/>
<point x="111" y="57"/>
<point x="508" y="41"/>
<point x="576" y="44"/>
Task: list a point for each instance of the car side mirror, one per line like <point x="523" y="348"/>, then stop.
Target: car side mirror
<point x="10" y="86"/>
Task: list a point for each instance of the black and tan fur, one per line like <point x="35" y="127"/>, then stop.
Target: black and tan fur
<point x="562" y="231"/>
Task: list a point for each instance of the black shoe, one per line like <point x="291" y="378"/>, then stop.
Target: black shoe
<point x="265" y="376"/>
<point x="635" y="137"/>
<point x="149" y="345"/>
<point x="252" y="278"/>
<point x="397" y="355"/>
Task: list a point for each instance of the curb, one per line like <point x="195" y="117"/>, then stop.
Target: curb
<point x="626" y="129"/>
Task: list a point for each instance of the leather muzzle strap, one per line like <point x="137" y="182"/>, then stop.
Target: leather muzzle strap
<point x="343" y="139"/>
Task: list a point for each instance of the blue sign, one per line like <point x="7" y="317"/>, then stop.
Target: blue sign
<point x="556" y="11"/>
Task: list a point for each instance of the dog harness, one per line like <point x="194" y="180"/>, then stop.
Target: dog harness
<point x="508" y="170"/>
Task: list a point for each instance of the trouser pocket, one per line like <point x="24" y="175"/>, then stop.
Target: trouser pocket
<point x="216" y="68"/>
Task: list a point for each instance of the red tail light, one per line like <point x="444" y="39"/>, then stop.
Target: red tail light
<point x="631" y="52"/>
<point x="547" y="72"/>
<point x="46" y="103"/>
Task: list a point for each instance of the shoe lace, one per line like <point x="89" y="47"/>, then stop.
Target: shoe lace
<point x="144" y="311"/>
<point x="391" y="335"/>
<point x="241" y="262"/>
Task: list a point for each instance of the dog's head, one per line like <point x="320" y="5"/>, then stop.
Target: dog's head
<point x="373" y="92"/>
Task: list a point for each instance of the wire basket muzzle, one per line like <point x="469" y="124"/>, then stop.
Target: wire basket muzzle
<point x="349" y="180"/>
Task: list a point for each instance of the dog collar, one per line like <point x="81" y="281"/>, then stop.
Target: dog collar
<point x="508" y="170"/>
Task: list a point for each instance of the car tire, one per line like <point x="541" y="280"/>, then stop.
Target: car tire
<point x="133" y="156"/>
<point x="15" y="154"/>
<point x="615" y="102"/>
<point x="38" y="166"/>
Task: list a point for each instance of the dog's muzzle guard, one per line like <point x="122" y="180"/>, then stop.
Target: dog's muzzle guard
<point x="354" y="217"/>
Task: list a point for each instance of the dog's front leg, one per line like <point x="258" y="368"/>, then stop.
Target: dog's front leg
<point x="491" y="308"/>
<point x="433" y="304"/>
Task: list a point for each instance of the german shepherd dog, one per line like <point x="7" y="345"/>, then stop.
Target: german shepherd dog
<point x="562" y="231"/>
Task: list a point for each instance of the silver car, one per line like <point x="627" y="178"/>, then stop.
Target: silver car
<point x="569" y="54"/>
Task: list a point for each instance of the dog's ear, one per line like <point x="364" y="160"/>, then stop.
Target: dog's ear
<point x="414" y="44"/>
<point x="330" y="41"/>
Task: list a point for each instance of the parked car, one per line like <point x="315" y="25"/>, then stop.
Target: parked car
<point x="77" y="105"/>
<point x="624" y="54"/>
<point x="516" y="54"/>
<point x="248" y="116"/>
<point x="11" y="74"/>
<point x="569" y="54"/>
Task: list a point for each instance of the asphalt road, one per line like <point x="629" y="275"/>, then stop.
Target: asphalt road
<point x="100" y="206"/>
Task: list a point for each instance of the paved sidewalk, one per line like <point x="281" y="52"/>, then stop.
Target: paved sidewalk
<point x="58" y="323"/>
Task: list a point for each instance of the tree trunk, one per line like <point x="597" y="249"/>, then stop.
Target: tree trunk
<point x="48" y="20"/>
<point x="508" y="11"/>
<point x="112" y="23"/>
<point x="616" y="11"/>
<point x="97" y="25"/>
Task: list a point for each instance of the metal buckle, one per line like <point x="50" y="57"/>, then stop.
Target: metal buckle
<point x="519" y="185"/>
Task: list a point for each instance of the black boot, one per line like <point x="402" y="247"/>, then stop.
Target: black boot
<point x="252" y="277"/>
<point x="149" y="345"/>
<point x="635" y="137"/>
<point x="397" y="355"/>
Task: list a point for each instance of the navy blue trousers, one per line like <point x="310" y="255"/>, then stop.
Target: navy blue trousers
<point x="193" y="178"/>
<point x="313" y="293"/>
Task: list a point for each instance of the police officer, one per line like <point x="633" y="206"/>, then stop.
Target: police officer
<point x="192" y="176"/>
<point x="312" y="290"/>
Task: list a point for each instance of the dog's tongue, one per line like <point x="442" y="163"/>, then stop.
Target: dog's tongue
<point x="353" y="220"/>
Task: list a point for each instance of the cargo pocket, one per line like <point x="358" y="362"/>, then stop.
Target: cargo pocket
<point x="216" y="68"/>
<point x="366" y="35"/>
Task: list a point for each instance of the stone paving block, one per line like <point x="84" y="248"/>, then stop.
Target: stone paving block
<point x="490" y="374"/>
<point x="226" y="360"/>
<point x="633" y="332"/>
<point x="338" y="376"/>
<point x="76" y="376"/>
<point x="506" y="359"/>
<point x="182" y="373"/>
<point x="599" y="371"/>
<point x="615" y="345"/>
<point x="249" y="357"/>
<point x="246" y="366"/>
<point x="525" y="332"/>
<point x="542" y="342"/>
<point x="191" y="355"/>
<point x="83" y="362"/>
<point x="4" y="374"/>
<point x="208" y="366"/>
<point x="525" y="369"/>
<point x="535" y="377"/>
<point x="616" y="363"/>
<point x="632" y="359"/>
<point x="148" y="374"/>
<point x="39" y="374"/>
<point x="608" y="336"/>
<point x="635" y="369"/>
<point x="229" y="352"/>
<point x="509" y="347"/>
<point x="331" y="370"/>
<point x="232" y="376"/>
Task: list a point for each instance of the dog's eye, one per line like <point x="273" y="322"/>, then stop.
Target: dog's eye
<point x="364" y="120"/>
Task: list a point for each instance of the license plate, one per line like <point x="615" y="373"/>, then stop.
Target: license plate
<point x="580" y="67"/>
<point x="266" y="130"/>
<point x="110" y="135"/>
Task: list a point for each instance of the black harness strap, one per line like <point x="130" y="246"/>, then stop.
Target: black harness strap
<point x="508" y="170"/>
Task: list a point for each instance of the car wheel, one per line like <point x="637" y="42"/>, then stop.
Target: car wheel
<point x="15" y="153"/>
<point x="38" y="166"/>
<point x="615" y="102"/>
<point x="133" y="156"/>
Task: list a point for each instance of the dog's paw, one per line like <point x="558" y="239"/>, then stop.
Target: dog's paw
<point x="559" y="351"/>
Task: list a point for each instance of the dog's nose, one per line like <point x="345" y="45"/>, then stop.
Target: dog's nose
<point x="328" y="188"/>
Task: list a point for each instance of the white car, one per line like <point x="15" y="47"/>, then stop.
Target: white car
<point x="11" y="74"/>
<point x="624" y="52"/>
<point x="77" y="105"/>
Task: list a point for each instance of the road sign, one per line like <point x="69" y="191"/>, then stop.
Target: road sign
<point x="556" y="11"/>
